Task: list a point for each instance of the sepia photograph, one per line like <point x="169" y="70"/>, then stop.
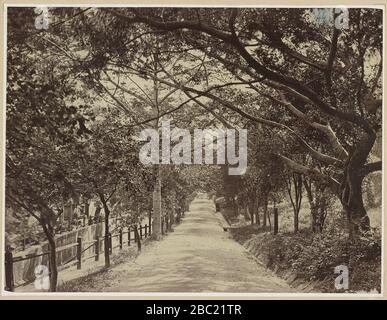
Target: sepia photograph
<point x="193" y="150"/>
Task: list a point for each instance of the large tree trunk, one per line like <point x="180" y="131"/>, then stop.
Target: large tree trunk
<point x="352" y="201"/>
<point x="107" y="231"/>
<point x="351" y="186"/>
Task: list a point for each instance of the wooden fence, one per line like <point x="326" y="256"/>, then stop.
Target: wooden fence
<point x="133" y="233"/>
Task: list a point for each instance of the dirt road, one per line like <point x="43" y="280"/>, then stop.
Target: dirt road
<point x="197" y="257"/>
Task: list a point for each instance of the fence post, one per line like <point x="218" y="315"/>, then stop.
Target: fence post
<point x="9" y="285"/>
<point x="110" y="244"/>
<point x="162" y="225"/>
<point x="146" y="230"/>
<point x="79" y="253"/>
<point x="120" y="238"/>
<point x="129" y="236"/>
<point x="136" y="236"/>
<point x="96" y="248"/>
<point x="275" y="220"/>
<point x="140" y="231"/>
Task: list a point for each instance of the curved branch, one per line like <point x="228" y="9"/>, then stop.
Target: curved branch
<point x="326" y="129"/>
<point x="148" y="102"/>
<point x="314" y="153"/>
<point x="314" y="174"/>
<point x="234" y="41"/>
<point x="371" y="167"/>
<point x="173" y="25"/>
<point x="120" y="103"/>
<point x="294" y="86"/>
<point x="277" y="42"/>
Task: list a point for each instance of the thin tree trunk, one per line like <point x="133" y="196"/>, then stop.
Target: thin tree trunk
<point x="107" y="231"/>
<point x="296" y="181"/>
<point x="312" y="205"/>
<point x="314" y="213"/>
<point x="157" y="212"/>
<point x="235" y="207"/>
<point x="156" y="234"/>
<point x="178" y="215"/>
<point x="137" y="238"/>
<point x="246" y="214"/>
<point x="171" y="219"/>
<point x="256" y="212"/>
<point x="49" y="232"/>
<point x="251" y="209"/>
<point x="265" y="205"/>
<point x="268" y="217"/>
<point x="317" y="203"/>
<point x="53" y="266"/>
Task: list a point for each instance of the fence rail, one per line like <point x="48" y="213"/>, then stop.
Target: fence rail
<point x="139" y="233"/>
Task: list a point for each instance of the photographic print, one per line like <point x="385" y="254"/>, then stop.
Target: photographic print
<point x="193" y="150"/>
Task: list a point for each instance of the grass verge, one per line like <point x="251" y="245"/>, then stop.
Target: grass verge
<point x="307" y="260"/>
